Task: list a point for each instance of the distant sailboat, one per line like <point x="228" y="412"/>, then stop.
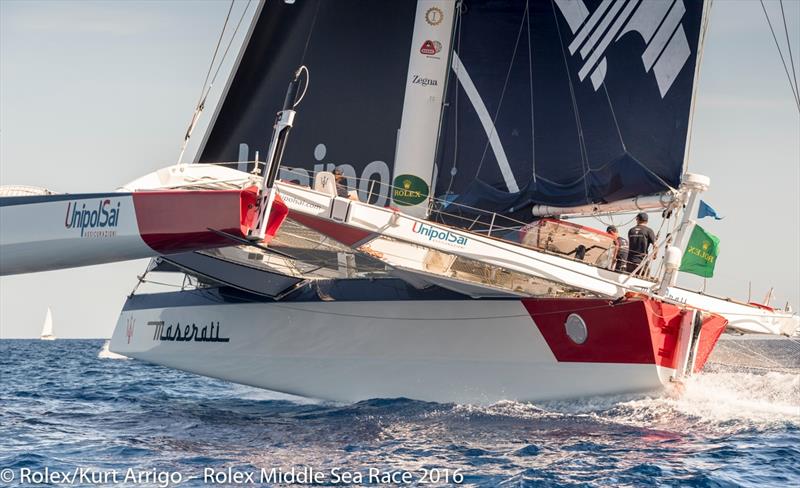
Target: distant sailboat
<point x="47" y="327"/>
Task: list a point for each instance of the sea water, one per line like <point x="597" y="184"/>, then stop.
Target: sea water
<point x="64" y="411"/>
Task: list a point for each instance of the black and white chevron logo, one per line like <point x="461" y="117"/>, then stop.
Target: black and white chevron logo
<point x="657" y="21"/>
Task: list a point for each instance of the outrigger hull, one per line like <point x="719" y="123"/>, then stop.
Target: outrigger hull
<point x="47" y="232"/>
<point x="444" y="350"/>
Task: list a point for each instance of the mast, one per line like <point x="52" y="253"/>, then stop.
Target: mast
<point x="418" y="136"/>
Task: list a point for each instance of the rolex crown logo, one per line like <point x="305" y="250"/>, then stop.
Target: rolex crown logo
<point x="406" y="184"/>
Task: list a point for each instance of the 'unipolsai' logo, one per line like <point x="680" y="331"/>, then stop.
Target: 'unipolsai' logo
<point x="439" y="235"/>
<point x="658" y="22"/>
<point x="93" y="222"/>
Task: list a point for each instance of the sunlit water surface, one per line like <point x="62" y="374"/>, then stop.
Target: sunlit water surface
<point x="64" y="406"/>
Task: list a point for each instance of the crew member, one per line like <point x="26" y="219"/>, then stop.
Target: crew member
<point x="640" y="238"/>
<point x="621" y="259"/>
<point x="341" y="185"/>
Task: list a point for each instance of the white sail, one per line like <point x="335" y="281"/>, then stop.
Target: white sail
<point x="47" y="327"/>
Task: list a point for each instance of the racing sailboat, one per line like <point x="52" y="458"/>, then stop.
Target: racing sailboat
<point x="434" y="283"/>
<point x="423" y="287"/>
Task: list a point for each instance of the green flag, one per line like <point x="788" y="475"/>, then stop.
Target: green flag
<point x="701" y="253"/>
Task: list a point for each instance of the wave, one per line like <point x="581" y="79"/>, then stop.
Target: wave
<point x="105" y="352"/>
<point x="714" y="403"/>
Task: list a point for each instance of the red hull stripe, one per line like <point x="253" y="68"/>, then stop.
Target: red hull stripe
<point x="622" y="332"/>
<point x="178" y="221"/>
<point x="713" y="327"/>
<point x="634" y="331"/>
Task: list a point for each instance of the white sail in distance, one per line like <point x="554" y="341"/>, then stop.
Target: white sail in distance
<point x="47" y="327"/>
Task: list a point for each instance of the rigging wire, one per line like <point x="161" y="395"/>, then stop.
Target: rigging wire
<point x="581" y="142"/>
<point x="614" y="116"/>
<point x="530" y="78"/>
<point x="454" y="168"/>
<point x="783" y="60"/>
<point x="216" y="50"/>
<point x="698" y="63"/>
<point x="310" y="32"/>
<point x="206" y="89"/>
<point x="789" y="48"/>
<point x="227" y="48"/>
<point x="302" y="69"/>
<point x="502" y="95"/>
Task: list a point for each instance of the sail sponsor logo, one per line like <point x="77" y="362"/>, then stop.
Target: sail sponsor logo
<point x="99" y="221"/>
<point x="434" y="16"/>
<point x="421" y="80"/>
<point x="431" y="48"/>
<point x="409" y="190"/>
<point x="702" y="252"/>
<point x="658" y="23"/>
<point x="187" y="332"/>
<point x="439" y="235"/>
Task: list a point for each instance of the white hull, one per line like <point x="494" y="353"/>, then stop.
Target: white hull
<point x="446" y="351"/>
<point x="47" y="232"/>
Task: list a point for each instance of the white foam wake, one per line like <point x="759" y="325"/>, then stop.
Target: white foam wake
<point x="730" y="401"/>
<point x="105" y="352"/>
<point x="714" y="403"/>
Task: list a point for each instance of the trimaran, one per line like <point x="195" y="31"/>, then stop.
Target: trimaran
<point x="432" y="284"/>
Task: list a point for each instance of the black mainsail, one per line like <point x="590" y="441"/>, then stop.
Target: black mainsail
<point x="357" y="53"/>
<point x="559" y="102"/>
<point x="585" y="101"/>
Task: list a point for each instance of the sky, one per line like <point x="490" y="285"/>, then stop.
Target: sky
<point x="95" y="94"/>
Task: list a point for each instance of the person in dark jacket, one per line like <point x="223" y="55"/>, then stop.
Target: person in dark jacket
<point x="621" y="259"/>
<point x="640" y="238"/>
<point x="341" y="185"/>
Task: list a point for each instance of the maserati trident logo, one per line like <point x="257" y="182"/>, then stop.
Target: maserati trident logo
<point x="658" y="23"/>
<point x="129" y="328"/>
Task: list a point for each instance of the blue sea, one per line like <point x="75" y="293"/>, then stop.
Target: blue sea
<point x="66" y="410"/>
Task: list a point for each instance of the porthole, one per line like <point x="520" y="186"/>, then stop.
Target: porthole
<point x="576" y="328"/>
